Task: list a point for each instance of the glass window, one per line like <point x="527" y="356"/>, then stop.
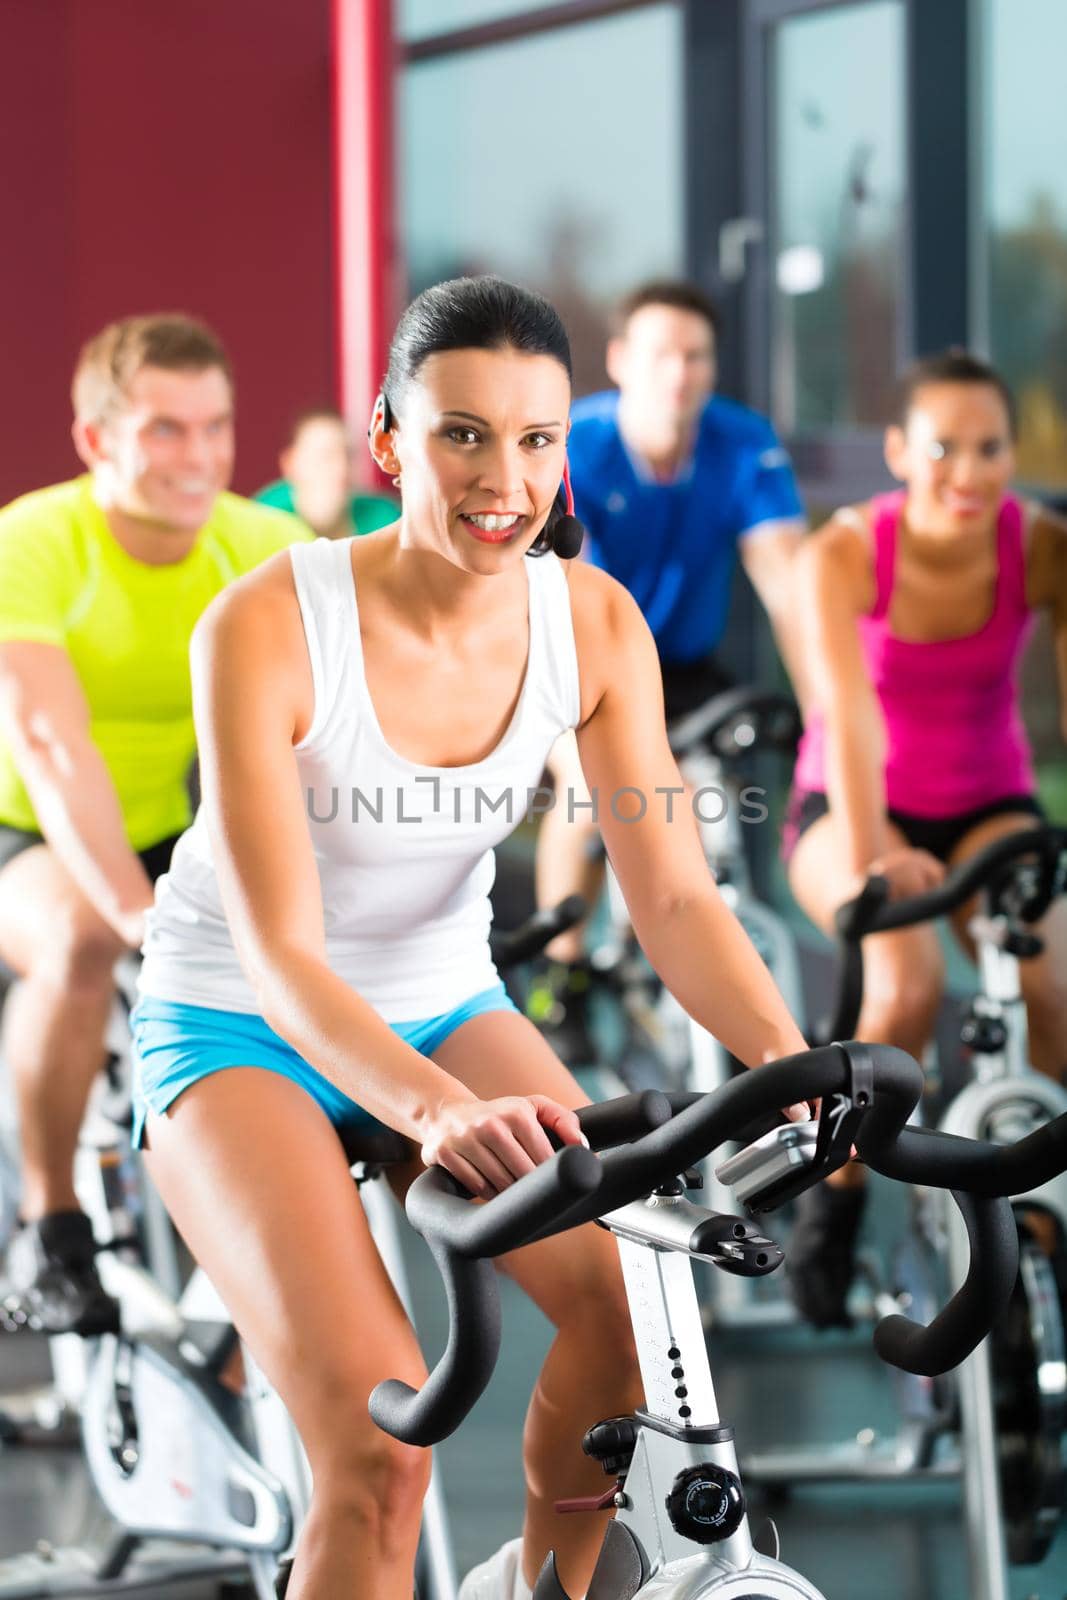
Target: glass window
<point x="838" y="164"/>
<point x="1026" y="223"/>
<point x="419" y="19"/>
<point x="1026" y="286"/>
<point x="580" y="206"/>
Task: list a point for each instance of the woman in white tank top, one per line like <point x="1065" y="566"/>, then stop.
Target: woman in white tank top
<point x="319" y="950"/>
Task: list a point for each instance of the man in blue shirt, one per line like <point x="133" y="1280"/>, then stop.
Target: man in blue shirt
<point x="674" y="485"/>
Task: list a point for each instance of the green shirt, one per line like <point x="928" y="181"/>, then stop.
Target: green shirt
<point x="126" y="625"/>
<point x="369" y="511"/>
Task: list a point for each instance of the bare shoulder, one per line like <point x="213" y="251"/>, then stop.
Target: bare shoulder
<point x="1046" y="557"/>
<point x="249" y="654"/>
<point x="611" y="636"/>
<point x="840" y="554"/>
<point x="604" y="612"/>
<point x="258" y="612"/>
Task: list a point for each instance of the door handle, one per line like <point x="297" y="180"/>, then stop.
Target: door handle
<point x="735" y="236"/>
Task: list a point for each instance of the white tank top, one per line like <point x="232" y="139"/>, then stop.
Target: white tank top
<point x="404" y="850"/>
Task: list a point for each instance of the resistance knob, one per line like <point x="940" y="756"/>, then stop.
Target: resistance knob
<point x="706" y="1504"/>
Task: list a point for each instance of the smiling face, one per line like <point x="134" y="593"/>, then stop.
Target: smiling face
<point x="956" y="456"/>
<point x="480" y="446"/>
<point x="167" y="453"/>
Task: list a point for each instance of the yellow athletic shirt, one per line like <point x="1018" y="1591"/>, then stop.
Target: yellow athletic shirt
<point x="65" y="580"/>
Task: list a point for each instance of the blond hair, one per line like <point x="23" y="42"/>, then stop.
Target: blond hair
<point x="112" y="358"/>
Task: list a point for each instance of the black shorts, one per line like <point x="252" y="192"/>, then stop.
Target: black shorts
<point x="939" y="835"/>
<point x="155" y="859"/>
<point x="687" y="684"/>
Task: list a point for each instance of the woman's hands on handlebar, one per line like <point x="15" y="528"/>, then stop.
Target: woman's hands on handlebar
<point x="907" y="871"/>
<point x="487" y="1144"/>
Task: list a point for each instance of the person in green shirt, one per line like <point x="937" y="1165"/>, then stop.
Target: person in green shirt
<point x="102" y="581"/>
<point x="316" y="482"/>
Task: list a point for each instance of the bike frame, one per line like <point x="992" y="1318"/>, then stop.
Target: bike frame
<point x="1005" y="1092"/>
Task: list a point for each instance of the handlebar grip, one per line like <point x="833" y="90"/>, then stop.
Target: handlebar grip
<point x="426" y="1416"/>
<point x="963" y="881"/>
<point x="703" y="1122"/>
<point x="924" y="1155"/>
<point x="455" y="1231"/>
<point x="531" y="937"/>
<point x="961" y="1326"/>
<point x="624" y="1119"/>
<point x="436" y="1209"/>
<point x="857" y="916"/>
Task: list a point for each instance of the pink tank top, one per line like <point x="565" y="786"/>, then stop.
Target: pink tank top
<point x="955" y="738"/>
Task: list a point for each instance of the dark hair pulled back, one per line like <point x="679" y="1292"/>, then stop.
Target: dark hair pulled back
<point x="954" y="365"/>
<point x="484" y="313"/>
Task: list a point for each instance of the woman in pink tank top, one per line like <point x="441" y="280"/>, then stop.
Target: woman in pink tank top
<point x="919" y="606"/>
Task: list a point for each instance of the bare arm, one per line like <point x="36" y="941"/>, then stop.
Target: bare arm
<point x="251" y="700"/>
<point x="769" y="559"/>
<point x="688" y="933"/>
<point x="45" y="718"/>
<point x="1047" y="590"/>
<point x="834" y="589"/>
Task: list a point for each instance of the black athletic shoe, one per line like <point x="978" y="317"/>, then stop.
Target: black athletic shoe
<point x="821" y="1259"/>
<point x="52" y="1281"/>
<point x="558" y="1002"/>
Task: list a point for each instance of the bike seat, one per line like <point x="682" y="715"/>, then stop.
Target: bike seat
<point x="374" y="1146"/>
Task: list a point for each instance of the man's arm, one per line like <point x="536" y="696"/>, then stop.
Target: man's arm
<point x="767" y="555"/>
<point x="44" y="716"/>
<point x="684" y="926"/>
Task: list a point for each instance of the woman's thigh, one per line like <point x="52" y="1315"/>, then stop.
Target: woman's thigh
<point x="502" y="1053"/>
<point x="820" y="876"/>
<point x="976" y="839"/>
<point x="255" y="1179"/>
<point x="903" y="972"/>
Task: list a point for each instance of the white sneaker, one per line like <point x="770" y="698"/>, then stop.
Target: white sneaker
<point x="499" y="1578"/>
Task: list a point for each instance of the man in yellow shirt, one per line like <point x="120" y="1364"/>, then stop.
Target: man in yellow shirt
<point x="101" y="583"/>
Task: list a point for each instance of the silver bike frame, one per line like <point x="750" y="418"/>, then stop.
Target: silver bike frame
<point x="653" y="1237"/>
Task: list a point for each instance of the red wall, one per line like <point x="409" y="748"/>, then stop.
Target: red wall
<point x="163" y="155"/>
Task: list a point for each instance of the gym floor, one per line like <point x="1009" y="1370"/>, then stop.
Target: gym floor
<point x="781" y="1387"/>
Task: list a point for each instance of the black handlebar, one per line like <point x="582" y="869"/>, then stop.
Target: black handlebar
<point x="531" y="936"/>
<point x="576" y="1186"/>
<point x="872" y="912"/>
<point x="993" y="1240"/>
<point x="994" y="869"/>
<point x="771" y="721"/>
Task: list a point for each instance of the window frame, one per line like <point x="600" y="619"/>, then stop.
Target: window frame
<point x="538" y="19"/>
<point x="837" y="465"/>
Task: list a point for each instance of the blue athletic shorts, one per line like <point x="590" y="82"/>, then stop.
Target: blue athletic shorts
<point x="176" y="1045"/>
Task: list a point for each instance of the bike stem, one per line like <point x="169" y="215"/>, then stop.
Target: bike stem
<point x="680" y="1425"/>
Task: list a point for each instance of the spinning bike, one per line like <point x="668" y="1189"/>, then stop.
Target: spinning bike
<point x="714" y="746"/>
<point x="130" y="1225"/>
<point x="177" y="1457"/>
<point x="681" y="1530"/>
<point x="1008" y="1405"/>
<point x="180" y="1460"/>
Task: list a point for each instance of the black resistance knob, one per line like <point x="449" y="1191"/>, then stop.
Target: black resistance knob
<point x="612" y="1443"/>
<point x="706" y="1504"/>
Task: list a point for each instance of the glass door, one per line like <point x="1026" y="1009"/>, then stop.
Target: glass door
<point x="826" y="288"/>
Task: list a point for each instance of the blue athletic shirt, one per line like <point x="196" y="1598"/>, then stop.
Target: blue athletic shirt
<point x="673" y="545"/>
